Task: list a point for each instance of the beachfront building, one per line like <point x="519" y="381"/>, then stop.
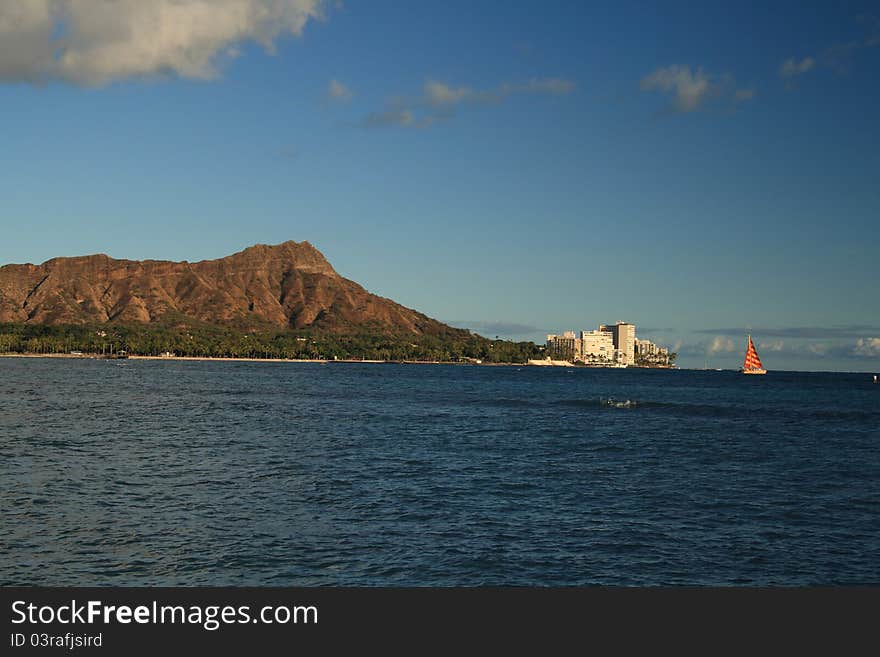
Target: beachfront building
<point x="648" y="353"/>
<point x="612" y="345"/>
<point x="645" y="348"/>
<point x="596" y="347"/>
<point x="624" y="338"/>
<point x="562" y="347"/>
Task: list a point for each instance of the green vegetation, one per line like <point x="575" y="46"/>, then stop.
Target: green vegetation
<point x="561" y="352"/>
<point x="231" y="342"/>
<point x="657" y="360"/>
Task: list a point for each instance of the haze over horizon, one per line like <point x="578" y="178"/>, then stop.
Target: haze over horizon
<point x="517" y="170"/>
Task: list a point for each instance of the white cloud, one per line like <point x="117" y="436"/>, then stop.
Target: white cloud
<point x="719" y="345"/>
<point x="554" y="86"/>
<point x="389" y="117"/>
<point x="689" y="89"/>
<point x="25" y="31"/>
<point x="792" y="67"/>
<point x="692" y="89"/>
<point x="838" y="57"/>
<point x="438" y="93"/>
<point x="95" y="42"/>
<point x="338" y="92"/>
<point x="776" y="345"/>
<point x="439" y="100"/>
<point x="867" y="347"/>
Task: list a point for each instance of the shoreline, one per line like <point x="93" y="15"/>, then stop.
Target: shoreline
<point x="394" y="362"/>
<point x="226" y="359"/>
<point x="229" y="359"/>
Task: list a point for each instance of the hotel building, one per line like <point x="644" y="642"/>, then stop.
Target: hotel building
<point x="596" y="346"/>
<point x="624" y="338"/>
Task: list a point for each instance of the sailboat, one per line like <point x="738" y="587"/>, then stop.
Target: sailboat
<point x="752" y="364"/>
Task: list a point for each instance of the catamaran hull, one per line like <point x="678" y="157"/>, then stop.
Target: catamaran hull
<point x="754" y="371"/>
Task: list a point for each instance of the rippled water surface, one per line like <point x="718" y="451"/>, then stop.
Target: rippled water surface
<point x="178" y="473"/>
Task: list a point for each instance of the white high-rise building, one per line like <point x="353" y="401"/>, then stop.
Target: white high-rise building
<point x="597" y="346"/>
<point x="645" y="347"/>
<point x="624" y="337"/>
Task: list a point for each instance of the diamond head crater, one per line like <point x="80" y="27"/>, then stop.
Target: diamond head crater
<point x="282" y="301"/>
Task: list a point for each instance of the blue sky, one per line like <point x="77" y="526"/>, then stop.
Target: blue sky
<point x="517" y="168"/>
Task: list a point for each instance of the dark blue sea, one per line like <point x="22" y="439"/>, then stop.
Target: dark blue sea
<point x="222" y="473"/>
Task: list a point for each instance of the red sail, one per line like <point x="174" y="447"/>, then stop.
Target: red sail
<point x="752" y="362"/>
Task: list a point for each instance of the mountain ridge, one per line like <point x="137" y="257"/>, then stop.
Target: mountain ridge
<point x="287" y="285"/>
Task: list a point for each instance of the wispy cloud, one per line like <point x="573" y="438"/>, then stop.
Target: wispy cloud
<point x="440" y="100"/>
<point x="792" y="67"/>
<point x="720" y="345"/>
<point x="840" y="342"/>
<point x="497" y="328"/>
<point x="338" y="92"/>
<point x="849" y="349"/>
<point x="690" y="90"/>
<point x="775" y="345"/>
<point x="96" y="43"/>
<point x="840" y="56"/>
<point x="392" y="116"/>
<point x="861" y="349"/>
<point x="867" y="347"/>
<point x="439" y="94"/>
<point x="806" y="332"/>
<point x="837" y="57"/>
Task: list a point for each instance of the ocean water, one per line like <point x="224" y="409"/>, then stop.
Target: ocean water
<point x="200" y="473"/>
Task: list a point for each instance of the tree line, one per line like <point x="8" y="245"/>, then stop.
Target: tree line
<point x="229" y="342"/>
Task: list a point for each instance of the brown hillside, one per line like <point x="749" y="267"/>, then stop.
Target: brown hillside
<point x="288" y="285"/>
